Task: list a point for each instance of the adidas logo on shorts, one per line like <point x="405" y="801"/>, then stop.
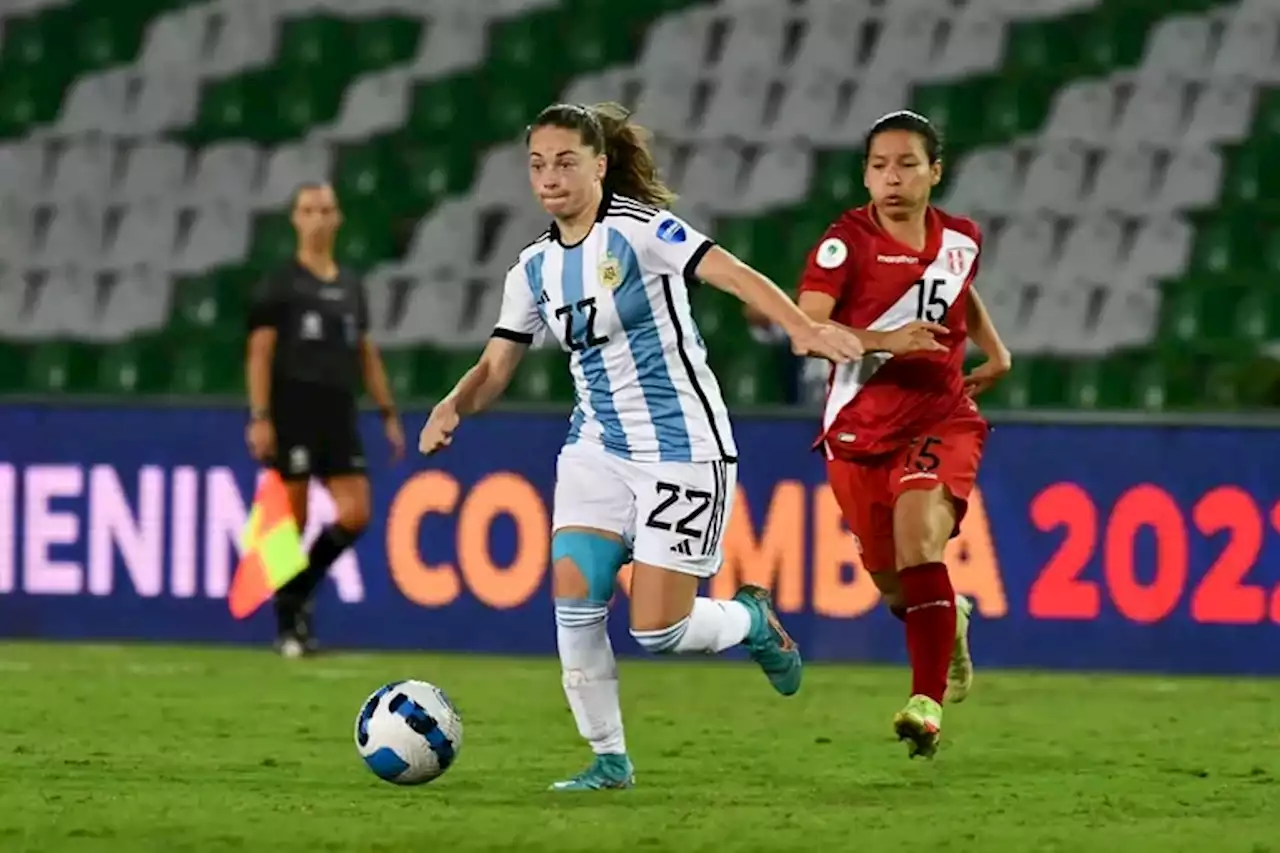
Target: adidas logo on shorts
<point x="683" y="547"/>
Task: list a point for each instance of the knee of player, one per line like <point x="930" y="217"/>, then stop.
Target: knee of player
<point x="923" y="521"/>
<point x="585" y="564"/>
<point x="661" y="640"/>
<point x="353" y="516"/>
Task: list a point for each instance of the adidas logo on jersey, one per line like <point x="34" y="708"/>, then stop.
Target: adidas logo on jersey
<point x="897" y="259"/>
<point x="682" y="547"/>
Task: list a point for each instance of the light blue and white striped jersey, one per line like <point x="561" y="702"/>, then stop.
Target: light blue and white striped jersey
<point x="618" y="302"/>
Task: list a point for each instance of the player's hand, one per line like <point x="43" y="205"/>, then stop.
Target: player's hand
<point x="260" y="435"/>
<point x="395" y="436"/>
<point x="916" y="336"/>
<point x="828" y="340"/>
<point x="437" y="433"/>
<point x="991" y="371"/>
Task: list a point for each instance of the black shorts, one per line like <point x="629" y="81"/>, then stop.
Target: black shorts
<point x="317" y="432"/>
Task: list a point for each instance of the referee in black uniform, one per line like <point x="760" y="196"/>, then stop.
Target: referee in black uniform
<point x="308" y="353"/>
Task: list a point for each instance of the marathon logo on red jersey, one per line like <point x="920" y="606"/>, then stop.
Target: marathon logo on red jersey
<point x="897" y="259"/>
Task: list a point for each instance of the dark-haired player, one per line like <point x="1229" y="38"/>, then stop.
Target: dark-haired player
<point x="901" y="433"/>
<point x="308" y="354"/>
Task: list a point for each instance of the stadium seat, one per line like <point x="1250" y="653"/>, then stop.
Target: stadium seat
<point x="1105" y="147"/>
<point x="543" y="376"/>
<point x="211" y="365"/>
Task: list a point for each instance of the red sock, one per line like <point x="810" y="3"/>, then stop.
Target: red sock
<point x="931" y="626"/>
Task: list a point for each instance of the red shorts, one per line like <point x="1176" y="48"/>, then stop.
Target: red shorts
<point x="867" y="490"/>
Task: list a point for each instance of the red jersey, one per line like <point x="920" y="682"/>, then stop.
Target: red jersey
<point x="881" y="402"/>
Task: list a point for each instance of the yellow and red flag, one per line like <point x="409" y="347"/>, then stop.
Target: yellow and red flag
<point x="271" y="548"/>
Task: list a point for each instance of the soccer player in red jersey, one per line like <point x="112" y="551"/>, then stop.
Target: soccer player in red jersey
<point x="900" y="431"/>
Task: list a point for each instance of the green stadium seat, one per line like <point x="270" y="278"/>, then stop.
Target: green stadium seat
<point x="754" y="375"/>
<point x="543" y="376"/>
<point x="33" y="40"/>
<point x="274" y="241"/>
<point x="1226" y="244"/>
<point x="1201" y="309"/>
<point x="738" y="238"/>
<point x="365" y="238"/>
<point x="437" y="371"/>
<point x="837" y="179"/>
<point x="21" y="105"/>
<point x="592" y="43"/>
<point x="1258" y="383"/>
<point x="292" y="106"/>
<point x="445" y="110"/>
<point x="214" y="365"/>
<point x="956" y="108"/>
<point x="428" y="174"/>
<point x="1114" y="37"/>
<point x="402" y="366"/>
<point x="804" y="234"/>
<point x="1253" y="173"/>
<point x="382" y="42"/>
<point x="364" y="172"/>
<point x="315" y="45"/>
<point x="1271" y="252"/>
<point x="1266" y="123"/>
<point x="105" y="41"/>
<point x="1258" y="314"/>
<point x="508" y="110"/>
<point x="515" y="48"/>
<point x="1168" y="384"/>
<point x="225" y="109"/>
<point x="215" y="301"/>
<point x="1102" y="383"/>
<point x="1037" y="46"/>
<point x="720" y="320"/>
<point x="13" y="367"/>
<point x="1049" y="382"/>
<point x="58" y="367"/>
<point x="138" y="366"/>
<point x="1015" y="107"/>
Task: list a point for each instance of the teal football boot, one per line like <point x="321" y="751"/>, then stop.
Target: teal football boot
<point x="606" y="773"/>
<point x="769" y="643"/>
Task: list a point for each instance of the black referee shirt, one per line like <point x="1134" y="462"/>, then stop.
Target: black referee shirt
<point x="318" y="326"/>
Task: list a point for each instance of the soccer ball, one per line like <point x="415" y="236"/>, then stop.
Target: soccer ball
<point x="408" y="732"/>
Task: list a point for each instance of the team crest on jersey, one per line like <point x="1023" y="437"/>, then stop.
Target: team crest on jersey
<point x="959" y="260"/>
<point x="832" y="253"/>
<point x="610" y="272"/>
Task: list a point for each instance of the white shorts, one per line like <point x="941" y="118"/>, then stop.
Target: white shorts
<point x="671" y="514"/>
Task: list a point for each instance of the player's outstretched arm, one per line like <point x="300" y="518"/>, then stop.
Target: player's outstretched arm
<point x="824" y="340"/>
<point x="475" y="391"/>
<point x="982" y="331"/>
<point x="916" y="336"/>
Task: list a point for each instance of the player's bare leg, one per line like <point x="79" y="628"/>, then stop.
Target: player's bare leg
<point x="586" y="563"/>
<point x="668" y="616"/>
<point x="923" y="520"/>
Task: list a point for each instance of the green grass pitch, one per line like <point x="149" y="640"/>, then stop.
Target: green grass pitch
<point x="130" y="749"/>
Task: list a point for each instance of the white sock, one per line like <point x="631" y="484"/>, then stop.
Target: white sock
<point x="712" y="626"/>
<point x="590" y="673"/>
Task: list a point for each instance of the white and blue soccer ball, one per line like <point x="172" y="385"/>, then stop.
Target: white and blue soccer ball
<point x="408" y="732"/>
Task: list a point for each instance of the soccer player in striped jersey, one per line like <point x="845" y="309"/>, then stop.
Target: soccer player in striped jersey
<point x="902" y="435"/>
<point x="648" y="470"/>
